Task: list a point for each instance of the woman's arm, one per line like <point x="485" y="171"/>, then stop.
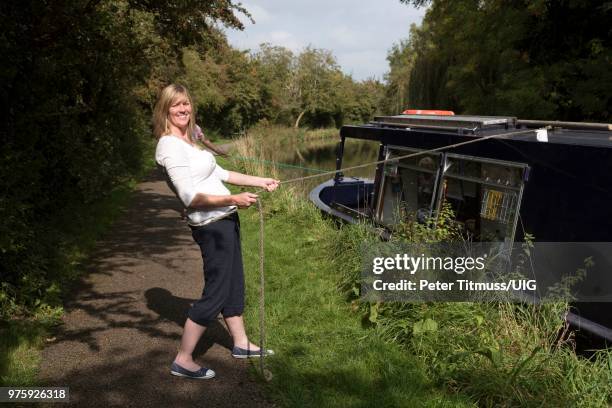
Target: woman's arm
<point x="206" y="201"/>
<point x="239" y="179"/>
<point x="242" y="200"/>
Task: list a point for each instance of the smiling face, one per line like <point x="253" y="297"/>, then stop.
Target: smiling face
<point x="174" y="113"/>
<point x="179" y="113"/>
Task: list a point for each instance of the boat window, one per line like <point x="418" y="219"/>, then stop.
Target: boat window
<point x="484" y="195"/>
<point x="408" y="186"/>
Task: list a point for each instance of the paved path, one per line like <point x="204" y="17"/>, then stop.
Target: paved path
<point x="124" y="320"/>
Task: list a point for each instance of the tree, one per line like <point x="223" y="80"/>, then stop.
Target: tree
<point x="313" y="85"/>
<point x="275" y="67"/>
<point x="510" y="58"/>
<point x="78" y="80"/>
<point x="401" y="62"/>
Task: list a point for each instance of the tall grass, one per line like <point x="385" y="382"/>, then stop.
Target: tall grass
<point x="270" y="142"/>
<point x="276" y="143"/>
<point x="264" y="147"/>
<point x="494" y="354"/>
<point x="499" y="354"/>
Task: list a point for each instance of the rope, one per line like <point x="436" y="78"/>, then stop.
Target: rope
<point x="262" y="303"/>
<point x="279" y="164"/>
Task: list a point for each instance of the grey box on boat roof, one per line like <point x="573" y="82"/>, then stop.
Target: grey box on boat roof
<point x="457" y="121"/>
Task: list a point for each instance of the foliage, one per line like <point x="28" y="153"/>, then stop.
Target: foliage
<point x="330" y="98"/>
<point x="78" y="80"/>
<point x="542" y="60"/>
<point x="401" y="61"/>
<point x="235" y="90"/>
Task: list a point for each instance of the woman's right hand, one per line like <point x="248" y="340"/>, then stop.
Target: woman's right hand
<point x="244" y="200"/>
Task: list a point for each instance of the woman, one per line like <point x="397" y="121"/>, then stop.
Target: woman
<point x="197" y="181"/>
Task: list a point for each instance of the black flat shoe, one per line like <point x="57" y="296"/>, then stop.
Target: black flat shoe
<point x="202" y="374"/>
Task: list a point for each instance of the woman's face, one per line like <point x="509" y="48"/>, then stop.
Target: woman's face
<point x="180" y="112"/>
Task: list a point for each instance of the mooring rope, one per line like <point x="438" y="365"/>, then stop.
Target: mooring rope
<point x="265" y="373"/>
<point x="262" y="300"/>
<point x="279" y="164"/>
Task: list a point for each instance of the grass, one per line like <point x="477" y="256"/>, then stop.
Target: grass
<point x="498" y="354"/>
<point x="331" y="351"/>
<point x="337" y="351"/>
<point x="282" y="143"/>
<point x="20" y="342"/>
<point x="325" y="357"/>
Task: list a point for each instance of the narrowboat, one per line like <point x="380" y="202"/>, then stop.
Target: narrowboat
<point x="551" y="180"/>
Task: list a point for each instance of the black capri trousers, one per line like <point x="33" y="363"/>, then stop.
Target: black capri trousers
<point x="223" y="291"/>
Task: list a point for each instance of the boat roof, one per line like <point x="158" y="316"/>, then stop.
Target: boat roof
<point x="571" y="133"/>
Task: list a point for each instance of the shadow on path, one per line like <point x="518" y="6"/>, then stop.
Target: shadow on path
<point x="175" y="308"/>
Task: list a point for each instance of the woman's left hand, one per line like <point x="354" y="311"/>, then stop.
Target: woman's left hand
<point x="269" y="184"/>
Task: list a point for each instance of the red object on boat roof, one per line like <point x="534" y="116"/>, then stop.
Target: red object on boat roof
<point x="427" y="112"/>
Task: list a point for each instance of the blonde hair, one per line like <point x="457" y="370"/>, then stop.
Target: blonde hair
<point x="160" y="113"/>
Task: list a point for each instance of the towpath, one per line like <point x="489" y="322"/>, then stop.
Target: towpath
<point x="123" y="323"/>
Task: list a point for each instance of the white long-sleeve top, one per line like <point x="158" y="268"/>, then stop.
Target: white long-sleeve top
<point x="190" y="171"/>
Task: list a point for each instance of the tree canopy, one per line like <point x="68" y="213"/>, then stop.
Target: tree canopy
<point x="77" y="82"/>
<point x="235" y="90"/>
<point x="543" y="59"/>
